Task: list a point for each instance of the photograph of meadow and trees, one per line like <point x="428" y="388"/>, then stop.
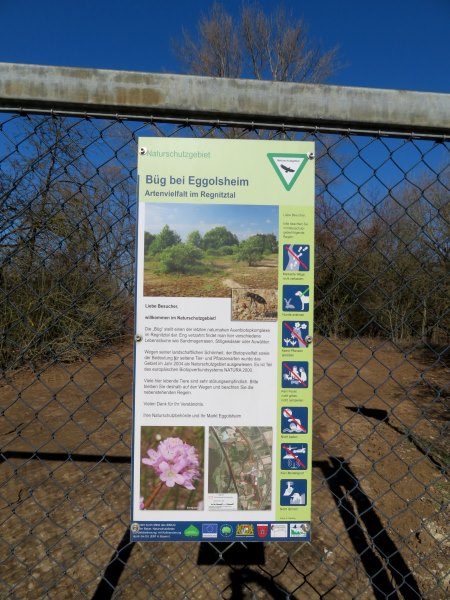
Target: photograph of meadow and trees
<point x="208" y="250"/>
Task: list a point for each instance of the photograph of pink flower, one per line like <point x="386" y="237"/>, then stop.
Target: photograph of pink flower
<point x="172" y="468"/>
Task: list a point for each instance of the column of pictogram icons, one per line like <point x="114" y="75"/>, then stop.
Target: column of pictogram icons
<point x="295" y="372"/>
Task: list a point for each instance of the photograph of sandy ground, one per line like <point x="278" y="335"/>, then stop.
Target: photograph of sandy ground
<point x="379" y="458"/>
<point x="228" y="276"/>
<point x="254" y="304"/>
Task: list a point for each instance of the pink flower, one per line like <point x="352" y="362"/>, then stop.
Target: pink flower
<point x="170" y="475"/>
<point x="175" y="462"/>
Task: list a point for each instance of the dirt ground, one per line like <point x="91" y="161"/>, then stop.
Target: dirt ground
<point x="226" y="274"/>
<point x="379" y="484"/>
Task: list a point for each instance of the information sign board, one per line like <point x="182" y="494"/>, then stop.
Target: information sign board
<point x="222" y="407"/>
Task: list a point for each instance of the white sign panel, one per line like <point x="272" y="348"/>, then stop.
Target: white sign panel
<point x="222" y="407"/>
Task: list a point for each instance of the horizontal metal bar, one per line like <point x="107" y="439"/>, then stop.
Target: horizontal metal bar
<point x="229" y="100"/>
<point x="246" y="125"/>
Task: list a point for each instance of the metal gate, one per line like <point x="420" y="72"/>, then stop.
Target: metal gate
<point x="380" y="456"/>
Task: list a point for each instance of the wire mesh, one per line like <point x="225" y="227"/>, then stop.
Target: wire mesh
<point x="380" y="456"/>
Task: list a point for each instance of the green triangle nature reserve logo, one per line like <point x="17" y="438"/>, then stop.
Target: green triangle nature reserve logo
<point x="288" y="167"/>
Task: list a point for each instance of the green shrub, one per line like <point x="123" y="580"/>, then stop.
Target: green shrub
<point x="250" y="250"/>
<point x="181" y="258"/>
<point x="218" y="237"/>
<point x="226" y="250"/>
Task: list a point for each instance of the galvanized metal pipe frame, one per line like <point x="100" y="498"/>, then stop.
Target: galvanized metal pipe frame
<point x="131" y="94"/>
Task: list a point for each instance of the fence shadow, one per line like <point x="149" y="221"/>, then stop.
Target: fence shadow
<point x="240" y="554"/>
<point x="379" y="555"/>
<point x="383" y="416"/>
<point x="232" y="553"/>
<point x="115" y="568"/>
<point x="240" y="578"/>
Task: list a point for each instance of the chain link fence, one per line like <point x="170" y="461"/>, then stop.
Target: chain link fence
<point x="380" y="498"/>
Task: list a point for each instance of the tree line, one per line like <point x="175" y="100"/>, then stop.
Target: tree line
<point x="66" y="245"/>
<point x="67" y="248"/>
<point x="174" y="256"/>
<point x="382" y="268"/>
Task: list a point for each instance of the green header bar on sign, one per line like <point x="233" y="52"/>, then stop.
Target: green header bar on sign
<point x="193" y="170"/>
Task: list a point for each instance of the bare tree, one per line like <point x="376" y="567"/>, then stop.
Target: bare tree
<point x="216" y="50"/>
<point x="273" y="46"/>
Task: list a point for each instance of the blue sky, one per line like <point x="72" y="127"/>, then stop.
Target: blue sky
<point x="242" y="220"/>
<point x="400" y="44"/>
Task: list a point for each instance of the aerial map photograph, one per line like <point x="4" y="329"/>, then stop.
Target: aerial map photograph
<point x="240" y="462"/>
